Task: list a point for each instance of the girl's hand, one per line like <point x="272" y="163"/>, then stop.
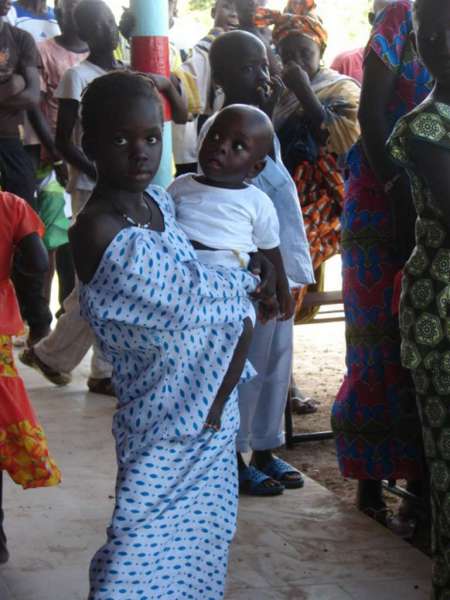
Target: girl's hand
<point x="294" y="77"/>
<point x="286" y="303"/>
<point x="262" y="267"/>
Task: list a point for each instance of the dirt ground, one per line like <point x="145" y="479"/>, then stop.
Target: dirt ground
<point x="319" y="362"/>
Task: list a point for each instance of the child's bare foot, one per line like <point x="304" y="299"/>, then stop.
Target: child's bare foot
<point x="214" y="418"/>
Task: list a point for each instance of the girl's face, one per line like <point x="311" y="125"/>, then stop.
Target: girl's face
<point x="128" y="146"/>
<point x="224" y="15"/>
<point x="433" y="40"/>
<point x="246" y="75"/>
<point x="303" y="51"/>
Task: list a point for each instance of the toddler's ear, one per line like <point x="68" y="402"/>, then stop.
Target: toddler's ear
<point x="257" y="168"/>
<point x="88" y="147"/>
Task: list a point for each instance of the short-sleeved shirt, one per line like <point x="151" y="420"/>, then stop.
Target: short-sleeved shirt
<point x="391" y="41"/>
<point x="55" y="61"/>
<point x="225" y="219"/>
<point x="71" y="87"/>
<point x="17" y="220"/>
<point x="17" y="52"/>
<point x="275" y="181"/>
<point x="41" y="27"/>
<point x="350" y="63"/>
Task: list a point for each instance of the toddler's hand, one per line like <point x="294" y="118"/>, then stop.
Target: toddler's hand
<point x="259" y="265"/>
<point x="268" y="309"/>
<point x="286" y="302"/>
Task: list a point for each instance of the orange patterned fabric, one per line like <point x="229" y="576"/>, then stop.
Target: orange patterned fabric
<point x="321" y="190"/>
<point x="23" y="444"/>
<point x="298" y="18"/>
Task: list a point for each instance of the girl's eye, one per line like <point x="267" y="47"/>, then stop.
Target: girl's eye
<point x="120" y="141"/>
<point x="216" y="137"/>
<point x="152" y="140"/>
<point x="239" y="147"/>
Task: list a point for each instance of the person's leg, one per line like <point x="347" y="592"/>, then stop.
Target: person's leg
<point x="99" y="381"/>
<point x="18" y="177"/>
<point x="4" y="554"/>
<point x="65" y="271"/>
<point x="267" y="431"/>
<point x="434" y="415"/>
<point x="250" y="392"/>
<point x="252" y="481"/>
<point x="66" y="346"/>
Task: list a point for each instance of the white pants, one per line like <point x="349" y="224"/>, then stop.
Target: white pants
<point x="262" y="400"/>
<point x="69" y="342"/>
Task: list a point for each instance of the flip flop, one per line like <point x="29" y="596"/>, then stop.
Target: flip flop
<point x="278" y="469"/>
<point x="251" y="482"/>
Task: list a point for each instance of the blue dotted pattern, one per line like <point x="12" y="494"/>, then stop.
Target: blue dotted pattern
<point x="169" y="326"/>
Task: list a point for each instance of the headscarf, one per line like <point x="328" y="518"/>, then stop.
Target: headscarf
<point x="298" y="18"/>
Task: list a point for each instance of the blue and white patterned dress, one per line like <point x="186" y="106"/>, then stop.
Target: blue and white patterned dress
<point x="169" y="326"/>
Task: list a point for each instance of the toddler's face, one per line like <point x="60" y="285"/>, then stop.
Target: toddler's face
<point x="231" y="150"/>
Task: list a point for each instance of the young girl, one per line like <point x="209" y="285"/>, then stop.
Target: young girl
<point x="421" y="143"/>
<point x="170" y="328"/>
<point x="23" y="446"/>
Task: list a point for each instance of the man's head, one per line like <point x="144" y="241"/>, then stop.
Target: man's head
<point x="240" y="66"/>
<point x="96" y="25"/>
<point x="224" y="14"/>
<point x="236" y="145"/>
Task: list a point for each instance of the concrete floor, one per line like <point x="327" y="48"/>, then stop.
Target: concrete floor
<point x="302" y="546"/>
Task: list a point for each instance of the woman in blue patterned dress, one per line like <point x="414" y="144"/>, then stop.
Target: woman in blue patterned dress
<point x="172" y="330"/>
<point x="374" y="416"/>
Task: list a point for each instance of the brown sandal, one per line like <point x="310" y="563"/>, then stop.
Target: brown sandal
<point x="102" y="386"/>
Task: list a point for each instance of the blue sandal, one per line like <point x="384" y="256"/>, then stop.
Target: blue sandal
<point x="278" y="469"/>
<point x="251" y="482"/>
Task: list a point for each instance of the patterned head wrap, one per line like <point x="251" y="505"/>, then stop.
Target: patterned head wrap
<point x="298" y="18"/>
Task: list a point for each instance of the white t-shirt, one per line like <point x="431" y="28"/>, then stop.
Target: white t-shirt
<point x="240" y="220"/>
<point x="71" y="87"/>
<point x="41" y="27"/>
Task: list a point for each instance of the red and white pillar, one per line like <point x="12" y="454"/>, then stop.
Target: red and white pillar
<point x="150" y="54"/>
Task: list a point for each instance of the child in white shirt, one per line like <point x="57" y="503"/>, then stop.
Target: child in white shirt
<point x="225" y="217"/>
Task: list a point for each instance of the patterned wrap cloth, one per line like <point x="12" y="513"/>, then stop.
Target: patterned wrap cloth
<point x="298" y="18"/>
<point x="374" y="416"/>
<point x="23" y="445"/>
<point x="424" y="323"/>
<point x="317" y="174"/>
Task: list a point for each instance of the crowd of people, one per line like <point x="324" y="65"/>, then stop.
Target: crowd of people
<point x="188" y="295"/>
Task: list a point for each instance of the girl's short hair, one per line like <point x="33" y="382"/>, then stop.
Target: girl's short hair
<point x="105" y="92"/>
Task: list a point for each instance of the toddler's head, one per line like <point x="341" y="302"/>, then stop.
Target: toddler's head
<point x="122" y="129"/>
<point x="236" y="145"/>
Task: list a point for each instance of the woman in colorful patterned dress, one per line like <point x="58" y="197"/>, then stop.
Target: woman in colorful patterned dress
<point x="316" y="120"/>
<point x="421" y="144"/>
<point x="171" y="329"/>
<point x="23" y="446"/>
<point x="374" y="416"/>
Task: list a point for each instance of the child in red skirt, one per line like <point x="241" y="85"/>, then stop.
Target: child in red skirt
<point x="23" y="445"/>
